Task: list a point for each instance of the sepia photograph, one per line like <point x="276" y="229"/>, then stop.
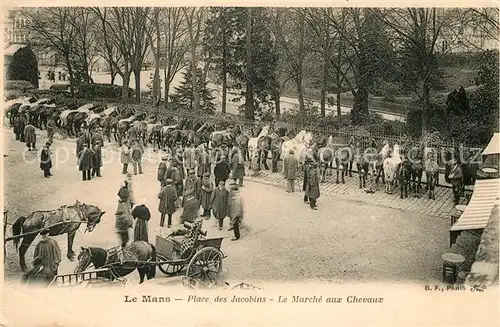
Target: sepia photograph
<point x="224" y="149"/>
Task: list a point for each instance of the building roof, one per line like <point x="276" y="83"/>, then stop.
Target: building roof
<point x="12" y="48"/>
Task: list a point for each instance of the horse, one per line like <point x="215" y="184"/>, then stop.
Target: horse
<point x="67" y="218"/>
<point x="242" y="143"/>
<point x="139" y="255"/>
<point x="384" y="154"/>
<point x="361" y="164"/>
<point x="390" y="166"/>
<point x="299" y="144"/>
<point x="431" y="173"/>
<point x="342" y="155"/>
<point x="404" y="177"/>
<point x="255" y="149"/>
<point x="326" y="156"/>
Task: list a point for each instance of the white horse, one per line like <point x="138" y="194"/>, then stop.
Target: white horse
<point x="300" y="145"/>
<point x="254" y="142"/>
<point x="390" y="166"/>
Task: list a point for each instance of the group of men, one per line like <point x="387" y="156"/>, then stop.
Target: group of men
<point x="89" y="154"/>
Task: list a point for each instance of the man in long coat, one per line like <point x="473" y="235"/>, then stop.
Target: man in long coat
<point x="456" y="178"/>
<point x="51" y="129"/>
<point x="38" y="274"/>
<point x="235" y="211"/>
<point x="220" y="203"/>
<point x="21" y="125"/>
<point x="124" y="219"/>
<point x="142" y="214"/>
<point x="46" y="160"/>
<point x="48" y="250"/>
<point x="193" y="183"/>
<point x="136" y="156"/>
<point x="189" y="157"/>
<point x="191" y="208"/>
<point x="97" y="137"/>
<point x="312" y="188"/>
<point x="168" y="197"/>
<point x="180" y="161"/>
<point x="132" y="134"/>
<point x="85" y="162"/>
<point x="290" y="167"/>
<point x="237" y="166"/>
<point x="222" y="170"/>
<point x="174" y="173"/>
<point x="86" y="135"/>
<point x="307" y="167"/>
<point x="30" y="136"/>
<point x="204" y="163"/>
<point x="96" y="159"/>
<point x="162" y="170"/>
<point x="125" y="156"/>
<point x="206" y="195"/>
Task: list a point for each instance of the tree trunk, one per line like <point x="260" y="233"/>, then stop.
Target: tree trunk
<point x="425" y="106"/>
<point x="249" y="105"/>
<point x="113" y="77"/>
<point x="278" y="106"/>
<point x="125" y="86"/>
<point x="323" y="89"/>
<point x="224" y="77"/>
<point x="156" y="77"/>
<point x="339" y="109"/>
<point x="137" y="76"/>
<point x="300" y="91"/>
<point x="167" y="86"/>
<point x="359" y="113"/>
<point x="194" y="79"/>
<point x="70" y="73"/>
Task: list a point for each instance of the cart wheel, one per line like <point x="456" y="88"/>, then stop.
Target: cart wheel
<point x="205" y="265"/>
<point x="167" y="268"/>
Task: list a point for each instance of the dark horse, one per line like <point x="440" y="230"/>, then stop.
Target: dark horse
<point x="66" y="219"/>
<point x="138" y="255"/>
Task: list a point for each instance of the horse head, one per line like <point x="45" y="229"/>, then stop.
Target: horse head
<point x="84" y="259"/>
<point x="92" y="214"/>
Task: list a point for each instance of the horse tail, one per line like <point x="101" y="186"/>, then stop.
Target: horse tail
<point x="17" y="229"/>
<point x="153" y="259"/>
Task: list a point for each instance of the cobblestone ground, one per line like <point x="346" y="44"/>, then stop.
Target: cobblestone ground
<point x="351" y="238"/>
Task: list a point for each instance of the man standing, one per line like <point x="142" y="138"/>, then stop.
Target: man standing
<point x="48" y="251"/>
<point x="456" y="178"/>
<point x="180" y="163"/>
<point x="220" y="203"/>
<point x="235" y="211"/>
<point x="125" y="156"/>
<point x="124" y="219"/>
<point x="79" y="144"/>
<point x="46" y="160"/>
<point x="237" y="166"/>
<point x="162" y="170"/>
<point x="312" y="189"/>
<point x="189" y="157"/>
<point x="97" y="159"/>
<point x="30" y="136"/>
<point x="206" y="196"/>
<point x="85" y="162"/>
<point x="193" y="183"/>
<point x="97" y="137"/>
<point x="204" y="163"/>
<point x="191" y="208"/>
<point x="168" y="197"/>
<point x="307" y="165"/>
<point x="142" y="214"/>
<point x="221" y="170"/>
<point x="137" y="152"/>
<point x="175" y="174"/>
<point x="290" y="167"/>
<point x="51" y="128"/>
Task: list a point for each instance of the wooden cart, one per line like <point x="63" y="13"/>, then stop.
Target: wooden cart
<point x="203" y="262"/>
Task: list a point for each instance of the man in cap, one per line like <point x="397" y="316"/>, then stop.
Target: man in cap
<point x="235" y="211"/>
<point x="290" y="167"/>
<point x="97" y="159"/>
<point x="136" y="156"/>
<point x="48" y="251"/>
<point x="180" y="162"/>
<point x="312" y="187"/>
<point x="142" y="214"/>
<point x="30" y="136"/>
<point x="168" y="197"/>
<point x="206" y="195"/>
<point x="189" y="157"/>
<point x="125" y="156"/>
<point x="97" y="137"/>
<point x="221" y="170"/>
<point x="51" y="127"/>
<point x="162" y="170"/>
<point x="307" y="167"/>
<point x="193" y="183"/>
<point x="85" y="162"/>
<point x="46" y="160"/>
<point x="174" y="173"/>
<point x="191" y="208"/>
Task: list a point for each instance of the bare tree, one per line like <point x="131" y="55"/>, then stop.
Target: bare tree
<point x="154" y="38"/>
<point x="175" y="47"/>
<point x="194" y="22"/>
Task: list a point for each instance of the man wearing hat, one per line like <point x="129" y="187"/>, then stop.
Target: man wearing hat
<point x="46" y="160"/>
<point x="312" y="187"/>
<point x="124" y="219"/>
<point x="142" y="214"/>
<point x="191" y="208"/>
<point x="125" y="156"/>
<point x="193" y="183"/>
<point x="235" y="211"/>
<point x="136" y="156"/>
<point x="48" y="251"/>
<point x="97" y="137"/>
<point x="168" y="197"/>
<point x="290" y="167"/>
<point x="221" y="170"/>
<point x="237" y="166"/>
<point x="30" y="136"/>
<point x="96" y="159"/>
<point x="189" y="157"/>
<point x="179" y="160"/>
<point x="51" y="127"/>
<point x="206" y="195"/>
<point x="162" y="170"/>
<point x="175" y="175"/>
<point x="85" y="162"/>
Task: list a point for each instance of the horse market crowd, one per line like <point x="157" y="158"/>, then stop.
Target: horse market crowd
<point x="198" y="161"/>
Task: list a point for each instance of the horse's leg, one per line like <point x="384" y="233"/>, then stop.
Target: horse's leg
<point x="25" y="244"/>
<point x="142" y="273"/>
<point x="258" y="159"/>
<point x="344" y="173"/>
<point x="337" y="170"/>
<point x="350" y="168"/>
<point x="266" y="154"/>
<point x="71" y="239"/>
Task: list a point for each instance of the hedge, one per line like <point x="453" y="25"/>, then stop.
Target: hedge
<point x="22" y="86"/>
<point x="93" y="91"/>
<point x="59" y="87"/>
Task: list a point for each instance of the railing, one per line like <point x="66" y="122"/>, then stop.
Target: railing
<point x="76" y="278"/>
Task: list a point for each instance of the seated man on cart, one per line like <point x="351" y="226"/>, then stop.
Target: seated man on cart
<point x="184" y="238"/>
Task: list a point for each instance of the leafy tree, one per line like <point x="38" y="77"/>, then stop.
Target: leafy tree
<point x="24" y="66"/>
<point x="184" y="97"/>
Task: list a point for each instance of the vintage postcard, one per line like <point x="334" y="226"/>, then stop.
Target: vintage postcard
<point x="250" y="164"/>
